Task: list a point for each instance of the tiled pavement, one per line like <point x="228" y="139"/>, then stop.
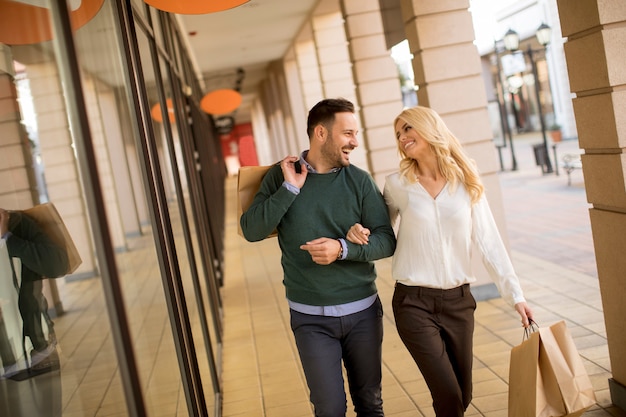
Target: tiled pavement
<point x="551" y="246"/>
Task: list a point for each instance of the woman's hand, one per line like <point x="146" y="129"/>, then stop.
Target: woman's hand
<point x="358" y="234"/>
<point x="525" y="313"/>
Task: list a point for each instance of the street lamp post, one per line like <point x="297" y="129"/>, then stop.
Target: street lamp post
<point x="504" y="118"/>
<point x="511" y="42"/>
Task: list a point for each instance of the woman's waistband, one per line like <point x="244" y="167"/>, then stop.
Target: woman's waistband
<point x="459" y="291"/>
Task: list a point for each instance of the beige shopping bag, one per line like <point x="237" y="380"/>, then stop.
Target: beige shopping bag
<point x="547" y="377"/>
<point x="574" y="382"/>
<point x="49" y="219"/>
<point x="248" y="183"/>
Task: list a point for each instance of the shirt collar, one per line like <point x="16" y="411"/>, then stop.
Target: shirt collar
<point x="310" y="168"/>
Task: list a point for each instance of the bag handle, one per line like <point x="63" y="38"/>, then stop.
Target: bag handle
<point x="532" y="328"/>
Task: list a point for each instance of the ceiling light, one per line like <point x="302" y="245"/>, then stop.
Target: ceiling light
<point x="221" y="101"/>
<point x="157" y="114"/>
<point x="195" y="6"/>
<point x="25" y="24"/>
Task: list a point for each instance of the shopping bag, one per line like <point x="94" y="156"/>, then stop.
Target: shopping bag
<point x="547" y="377"/>
<point x="529" y="390"/>
<point x="248" y="184"/>
<point x="574" y="382"/>
<point x="49" y="219"/>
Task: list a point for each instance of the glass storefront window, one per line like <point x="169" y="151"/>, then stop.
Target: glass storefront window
<point x="166" y="322"/>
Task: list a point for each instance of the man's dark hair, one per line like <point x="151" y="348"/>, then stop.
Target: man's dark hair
<point x="324" y="113"/>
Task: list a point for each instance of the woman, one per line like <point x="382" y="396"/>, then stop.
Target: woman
<point x="443" y="211"/>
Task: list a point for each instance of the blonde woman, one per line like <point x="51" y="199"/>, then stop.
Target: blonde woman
<point x="440" y="200"/>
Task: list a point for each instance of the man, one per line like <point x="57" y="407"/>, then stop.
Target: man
<point x="336" y="314"/>
<point x="40" y="258"/>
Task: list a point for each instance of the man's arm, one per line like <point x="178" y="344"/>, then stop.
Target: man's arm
<point x="34" y="248"/>
<point x="268" y="207"/>
<point x="381" y="242"/>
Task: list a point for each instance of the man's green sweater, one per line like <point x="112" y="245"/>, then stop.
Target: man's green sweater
<point x="327" y="206"/>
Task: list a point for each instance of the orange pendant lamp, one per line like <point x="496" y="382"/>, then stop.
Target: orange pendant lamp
<point x="221" y="101"/>
<point x="158" y="115"/>
<point x="194" y="6"/>
<point x="24" y="24"/>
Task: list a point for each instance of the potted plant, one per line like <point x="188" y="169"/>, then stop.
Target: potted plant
<point x="555" y="132"/>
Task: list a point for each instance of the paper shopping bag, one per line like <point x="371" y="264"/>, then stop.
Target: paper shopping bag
<point x="49" y="219"/>
<point x="531" y="385"/>
<point x="565" y="361"/>
<point x="248" y="184"/>
<point x="540" y="385"/>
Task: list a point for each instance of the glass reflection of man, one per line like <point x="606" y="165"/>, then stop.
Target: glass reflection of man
<point x="40" y="258"/>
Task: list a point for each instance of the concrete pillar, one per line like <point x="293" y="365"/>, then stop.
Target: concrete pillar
<point x="335" y="68"/>
<point x="17" y="188"/>
<point x="61" y="170"/>
<point x="132" y="158"/>
<point x="595" y="54"/>
<point x="440" y="36"/>
<point x="379" y="95"/>
<point x="119" y="161"/>
<point x="18" y="184"/>
<point x="262" y="139"/>
<point x="277" y="139"/>
<point x="332" y="51"/>
<point x="109" y="157"/>
<point x="296" y="105"/>
<point x="295" y="141"/>
<point x="308" y="67"/>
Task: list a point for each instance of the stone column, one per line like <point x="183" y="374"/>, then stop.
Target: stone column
<point x="333" y="58"/>
<point x="18" y="186"/>
<point x="106" y="145"/>
<point x="113" y="139"/>
<point x="440" y="36"/>
<point x="297" y="112"/>
<point x="278" y="77"/>
<point x="277" y="139"/>
<point x="377" y="85"/>
<point x="62" y="178"/>
<point x="595" y="54"/>
<point x="18" y="189"/>
<point x="332" y="51"/>
<point x="308" y="67"/>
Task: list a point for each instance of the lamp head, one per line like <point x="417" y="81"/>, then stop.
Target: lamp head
<point x="544" y="33"/>
<point x="511" y="40"/>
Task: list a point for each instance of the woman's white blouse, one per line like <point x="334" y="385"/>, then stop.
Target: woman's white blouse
<point x="435" y="237"/>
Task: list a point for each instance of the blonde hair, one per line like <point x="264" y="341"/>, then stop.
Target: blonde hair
<point x="456" y="167"/>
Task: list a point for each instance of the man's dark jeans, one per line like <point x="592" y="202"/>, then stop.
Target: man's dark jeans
<point x="323" y="342"/>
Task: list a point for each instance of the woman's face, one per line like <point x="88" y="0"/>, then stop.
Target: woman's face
<point x="411" y="142"/>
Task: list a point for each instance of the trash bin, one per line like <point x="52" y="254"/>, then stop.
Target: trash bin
<point x="541" y="154"/>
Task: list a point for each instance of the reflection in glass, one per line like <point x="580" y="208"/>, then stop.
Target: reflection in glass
<point x="76" y="329"/>
<point x="172" y="323"/>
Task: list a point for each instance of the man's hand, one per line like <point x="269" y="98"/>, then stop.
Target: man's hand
<point x="323" y="250"/>
<point x="4" y="221"/>
<point x="358" y="234"/>
<point x="289" y="171"/>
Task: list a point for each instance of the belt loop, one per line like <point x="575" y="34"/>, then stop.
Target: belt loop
<point x="465" y="289"/>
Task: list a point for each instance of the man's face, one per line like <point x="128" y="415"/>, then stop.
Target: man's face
<point x="341" y="140"/>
